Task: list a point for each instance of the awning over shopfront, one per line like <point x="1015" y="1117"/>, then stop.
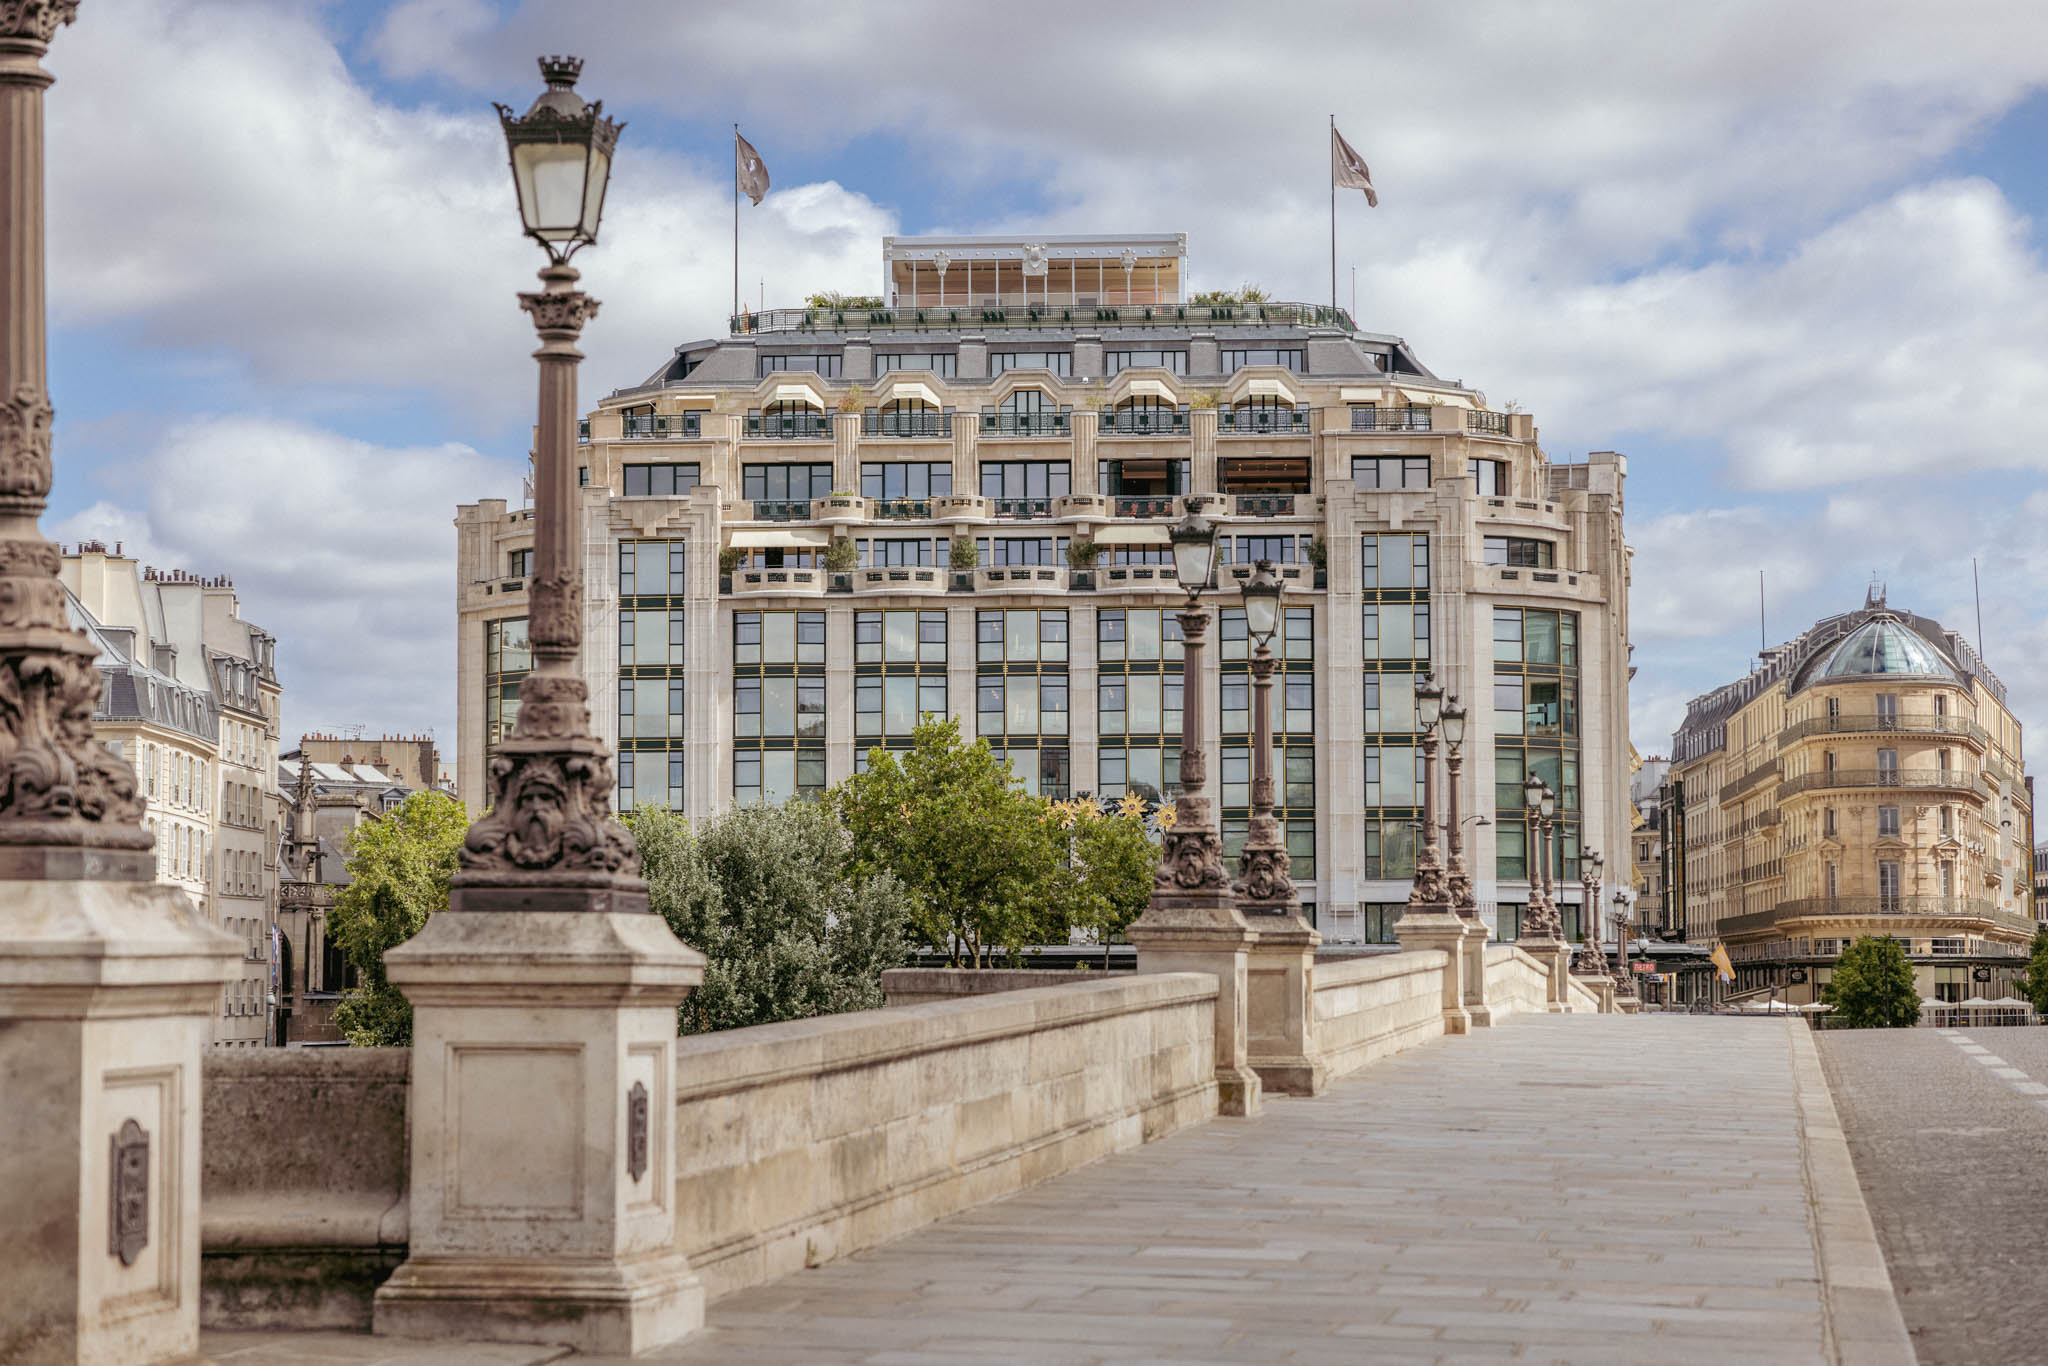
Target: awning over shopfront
<point x="1135" y="534"/>
<point x="782" y="538"/>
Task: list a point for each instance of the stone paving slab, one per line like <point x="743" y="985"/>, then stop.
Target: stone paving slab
<point x="361" y="1349"/>
<point x="1556" y="1189"/>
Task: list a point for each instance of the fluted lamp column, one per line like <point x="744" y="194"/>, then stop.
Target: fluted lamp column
<point x="1543" y="930"/>
<point x="1430" y="920"/>
<point x="1192" y="923"/>
<point x="547" y="977"/>
<point x="109" y="981"/>
<point x="1624" y="974"/>
<point x="1592" y="959"/>
<point x="1458" y="877"/>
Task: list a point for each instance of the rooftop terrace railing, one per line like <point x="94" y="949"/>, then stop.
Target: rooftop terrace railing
<point x="1951" y="779"/>
<point x="1145" y="422"/>
<point x="1262" y="420"/>
<point x="1038" y="313"/>
<point x="798" y="426"/>
<point x="656" y="426"/>
<point x="1413" y="418"/>
<point x="1050" y="423"/>
<point x="907" y="422"/>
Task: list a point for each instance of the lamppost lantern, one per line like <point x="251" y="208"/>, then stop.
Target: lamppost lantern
<point x="1546" y="805"/>
<point x="1453" y="718"/>
<point x="561" y="151"/>
<point x="1194" y="552"/>
<point x="1429" y="704"/>
<point x="1532" y="792"/>
<point x="1596" y="859"/>
<point x="1262" y="604"/>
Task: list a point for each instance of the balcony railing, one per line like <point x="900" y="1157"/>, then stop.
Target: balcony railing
<point x="1265" y="505"/>
<point x="1410" y="419"/>
<point x="901" y="509"/>
<point x="1023" y="509"/>
<point x="1262" y="421"/>
<point x="1058" y="423"/>
<point x="1952" y="779"/>
<point x="800" y="426"/>
<point x="1749" y="781"/>
<point x="1018" y="312"/>
<point x="916" y="422"/>
<point x="1487" y="424"/>
<point x="782" y="509"/>
<point x="1161" y="506"/>
<point x="1884" y="725"/>
<point x="1145" y="422"/>
<point x="659" y="426"/>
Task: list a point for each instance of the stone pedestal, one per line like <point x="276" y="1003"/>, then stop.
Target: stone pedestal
<point x="543" y="1152"/>
<point x="1555" y="956"/>
<point x="1474" y="951"/>
<point x="107" y="994"/>
<point x="1203" y="932"/>
<point x="1602" y="988"/>
<point x="1446" y="933"/>
<point x="1281" y="1005"/>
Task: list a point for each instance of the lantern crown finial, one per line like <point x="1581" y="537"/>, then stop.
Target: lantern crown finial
<point x="561" y="71"/>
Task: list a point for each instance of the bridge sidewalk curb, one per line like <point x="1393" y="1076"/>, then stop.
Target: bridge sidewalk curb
<point x="1861" y="1313"/>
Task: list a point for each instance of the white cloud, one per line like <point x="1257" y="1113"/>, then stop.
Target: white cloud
<point x="344" y="549"/>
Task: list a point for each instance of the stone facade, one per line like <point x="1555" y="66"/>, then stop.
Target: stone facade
<point x="193" y="701"/>
<point x="1866" y="779"/>
<point x="1418" y="529"/>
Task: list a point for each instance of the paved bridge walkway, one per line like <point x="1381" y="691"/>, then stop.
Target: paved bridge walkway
<point x="1557" y="1189"/>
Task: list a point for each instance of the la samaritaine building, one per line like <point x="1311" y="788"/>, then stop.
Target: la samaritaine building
<point x="802" y="535"/>
<point x="1865" y="779"/>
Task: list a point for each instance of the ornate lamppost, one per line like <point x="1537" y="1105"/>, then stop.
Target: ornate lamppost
<point x="1542" y="921"/>
<point x="1430" y="920"/>
<point x="108" y="978"/>
<point x="1428" y="893"/>
<point x="548" y="841"/>
<point x="1592" y="959"/>
<point x="1192" y="923"/>
<point x="548" y="913"/>
<point x="1458" y="877"/>
<point x="1624" y="973"/>
<point x="1283" y="954"/>
<point x="1263" y="884"/>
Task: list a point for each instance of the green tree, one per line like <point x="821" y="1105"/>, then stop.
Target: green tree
<point x="768" y="895"/>
<point x="2033" y="983"/>
<point x="979" y="855"/>
<point x="1111" y="862"/>
<point x="1872" y="987"/>
<point x="399" y="866"/>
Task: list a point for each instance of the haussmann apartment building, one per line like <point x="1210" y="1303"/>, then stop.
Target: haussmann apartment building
<point x="803" y="534"/>
<point x="1865" y="779"/>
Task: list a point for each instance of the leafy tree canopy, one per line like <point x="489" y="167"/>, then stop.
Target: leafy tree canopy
<point x="1111" y="862"/>
<point x="1872" y="986"/>
<point x="978" y="853"/>
<point x="769" y="895"/>
<point x="399" y="868"/>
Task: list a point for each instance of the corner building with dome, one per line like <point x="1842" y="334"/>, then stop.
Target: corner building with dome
<point x="1865" y="779"/>
<point x="954" y="498"/>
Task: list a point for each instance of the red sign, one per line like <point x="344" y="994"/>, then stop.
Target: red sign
<point x="1644" y="967"/>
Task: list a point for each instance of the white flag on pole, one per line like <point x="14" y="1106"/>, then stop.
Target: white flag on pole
<point x="751" y="170"/>
<point x="1348" y="170"/>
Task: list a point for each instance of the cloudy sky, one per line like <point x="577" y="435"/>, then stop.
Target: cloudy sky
<point x="1787" y="257"/>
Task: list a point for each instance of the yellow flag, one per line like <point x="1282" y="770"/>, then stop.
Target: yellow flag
<point x="1721" y="963"/>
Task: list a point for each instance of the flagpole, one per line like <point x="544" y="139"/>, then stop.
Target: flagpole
<point x="735" y="220"/>
<point x="1333" y="213"/>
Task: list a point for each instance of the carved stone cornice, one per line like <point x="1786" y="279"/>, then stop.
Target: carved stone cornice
<point x="36" y="20"/>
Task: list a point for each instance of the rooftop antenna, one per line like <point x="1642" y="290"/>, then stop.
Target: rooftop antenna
<point x="1763" y="636"/>
<point x="1977" y="591"/>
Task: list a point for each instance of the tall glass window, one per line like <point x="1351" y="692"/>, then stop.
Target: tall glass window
<point x="508" y="658"/>
<point x="1394" y="646"/>
<point x="778" y="711"/>
<point x="1536" y="731"/>
<point x="1138" y="702"/>
<point x="899" y="677"/>
<point x="651" y="701"/>
<point x="1021" y="696"/>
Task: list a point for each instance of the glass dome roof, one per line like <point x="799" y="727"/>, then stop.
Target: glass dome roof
<point x="1886" y="646"/>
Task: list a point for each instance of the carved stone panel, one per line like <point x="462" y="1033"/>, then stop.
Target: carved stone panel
<point x="128" y="1197"/>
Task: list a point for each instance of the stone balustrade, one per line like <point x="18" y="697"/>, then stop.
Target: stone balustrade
<point x="1515" y="982"/>
<point x="796" y="1142"/>
<point x="302" y="1183"/>
<point x="1367" y="1008"/>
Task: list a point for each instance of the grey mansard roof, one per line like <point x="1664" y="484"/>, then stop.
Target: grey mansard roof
<point x="131" y="690"/>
